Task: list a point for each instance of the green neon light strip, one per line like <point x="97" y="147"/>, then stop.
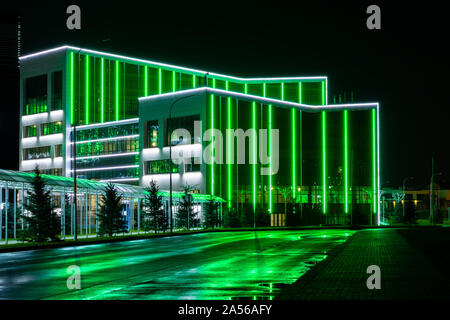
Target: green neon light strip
<point x="117" y="90"/>
<point x="245" y="88"/>
<point x="254" y="153"/>
<point x="173" y="81"/>
<point x="324" y="154"/>
<point x="374" y="160"/>
<point x="212" y="141"/>
<point x="324" y="162"/>
<point x="71" y="88"/>
<point x="346" y="159"/>
<point x="160" y="80"/>
<point x="193" y="81"/>
<point x="300" y="99"/>
<point x="86" y="116"/>
<point x="146" y="81"/>
<point x="102" y="106"/>
<point x="230" y="182"/>
<point x="269" y="131"/>
<point x="270" y="155"/>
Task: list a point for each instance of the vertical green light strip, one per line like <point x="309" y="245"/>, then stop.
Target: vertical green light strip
<point x="374" y="160"/>
<point x="71" y="88"/>
<point x="117" y="90"/>
<point x="324" y="154"/>
<point x="102" y="105"/>
<point x="86" y="116"/>
<point x="173" y="81"/>
<point x="270" y="155"/>
<point x="346" y="159"/>
<point x="254" y="153"/>
<point x="300" y="99"/>
<point x="193" y="81"/>
<point x="160" y="80"/>
<point x="212" y="141"/>
<point x="146" y="81"/>
<point x="245" y="88"/>
<point x="269" y="131"/>
<point x="228" y="144"/>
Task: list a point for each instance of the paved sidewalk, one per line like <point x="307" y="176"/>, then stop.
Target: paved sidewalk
<point x="406" y="273"/>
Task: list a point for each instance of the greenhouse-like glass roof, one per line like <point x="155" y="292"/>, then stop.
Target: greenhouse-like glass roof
<point x="18" y="179"/>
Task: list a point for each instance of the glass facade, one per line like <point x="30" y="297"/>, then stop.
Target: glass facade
<point x="327" y="160"/>
<point x="51" y="128"/>
<point x="106" y="89"/>
<point x="35" y="95"/>
<point x="37" y="153"/>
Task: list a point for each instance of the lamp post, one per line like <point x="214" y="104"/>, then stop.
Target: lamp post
<point x="170" y="158"/>
<point x="432" y="196"/>
<point x="404" y="199"/>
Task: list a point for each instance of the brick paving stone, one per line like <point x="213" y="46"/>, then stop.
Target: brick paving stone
<point x="405" y="271"/>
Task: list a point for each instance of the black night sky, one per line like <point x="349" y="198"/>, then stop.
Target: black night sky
<point x="404" y="66"/>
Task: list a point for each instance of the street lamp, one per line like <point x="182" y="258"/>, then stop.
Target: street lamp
<point x="170" y="158"/>
<point x="432" y="196"/>
<point x="404" y="183"/>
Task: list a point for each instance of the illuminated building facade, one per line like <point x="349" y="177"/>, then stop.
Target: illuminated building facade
<point x="328" y="154"/>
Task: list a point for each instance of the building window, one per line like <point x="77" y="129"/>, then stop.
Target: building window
<point x="160" y="167"/>
<point x="36" y="153"/>
<point x="151" y="134"/>
<point x="107" y="147"/>
<point x="58" y="150"/>
<point x="30" y="131"/>
<point x="186" y="123"/>
<point x="57" y="90"/>
<point x="35" y="95"/>
<point x="193" y="165"/>
<point x="108" y="132"/>
<point x="51" y="128"/>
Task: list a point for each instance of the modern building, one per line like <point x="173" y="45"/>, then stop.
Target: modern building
<point x="119" y="107"/>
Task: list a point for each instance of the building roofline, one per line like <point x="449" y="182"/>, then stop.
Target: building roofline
<point x="276" y="102"/>
<point x="161" y="64"/>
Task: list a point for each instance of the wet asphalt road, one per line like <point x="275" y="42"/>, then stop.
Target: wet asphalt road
<point x="224" y="265"/>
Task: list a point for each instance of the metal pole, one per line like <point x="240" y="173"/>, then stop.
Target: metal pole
<point x="6" y="213"/>
<point x="15" y="212"/>
<point x="21" y="205"/>
<point x="139" y="214"/>
<point x="63" y="213"/>
<point x="431" y="191"/>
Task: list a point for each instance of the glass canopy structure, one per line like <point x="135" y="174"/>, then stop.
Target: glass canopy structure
<point x="15" y="188"/>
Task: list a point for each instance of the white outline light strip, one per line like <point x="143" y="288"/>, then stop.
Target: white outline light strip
<point x="106" y="168"/>
<point x="107" y="155"/>
<point x="108" y="139"/>
<point x="286" y="104"/>
<point x="160" y="64"/>
<point x="107" y="124"/>
<point x="120" y="180"/>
